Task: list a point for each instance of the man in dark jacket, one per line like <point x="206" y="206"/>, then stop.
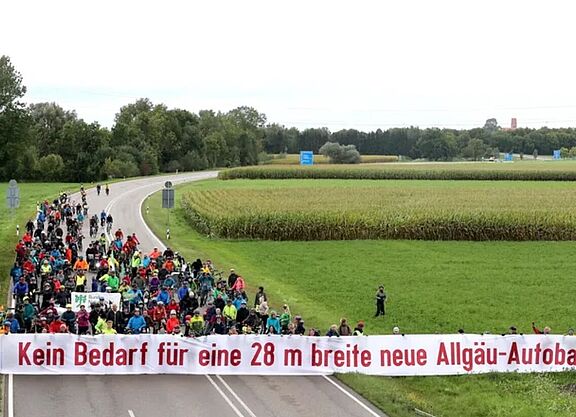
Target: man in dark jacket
<point x="117" y="318"/>
<point x="380" y="301"/>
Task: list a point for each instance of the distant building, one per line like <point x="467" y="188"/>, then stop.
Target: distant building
<point x="513" y="125"/>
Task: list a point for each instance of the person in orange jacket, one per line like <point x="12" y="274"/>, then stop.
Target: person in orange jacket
<point x="173" y="322"/>
<point x="80" y="264"/>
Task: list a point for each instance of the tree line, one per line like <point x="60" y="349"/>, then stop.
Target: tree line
<point x="43" y="141"/>
<point x="431" y="143"/>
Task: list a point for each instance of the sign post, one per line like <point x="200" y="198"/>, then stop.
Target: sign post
<point x="168" y="203"/>
<point x="13" y="195"/>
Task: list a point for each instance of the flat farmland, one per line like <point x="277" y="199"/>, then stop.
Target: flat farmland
<point x="433" y="287"/>
<point x="549" y="170"/>
<point x="394" y="209"/>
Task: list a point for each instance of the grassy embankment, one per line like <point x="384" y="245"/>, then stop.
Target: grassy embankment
<point x="434" y="287"/>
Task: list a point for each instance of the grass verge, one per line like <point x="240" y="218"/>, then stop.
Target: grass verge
<point x="434" y="287"/>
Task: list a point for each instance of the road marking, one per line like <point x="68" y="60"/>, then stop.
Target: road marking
<point x="360" y="403"/>
<point x="10" y="395"/>
<point x="131" y="413"/>
<point x="161" y="245"/>
<point x="230" y="403"/>
<point x="242" y="403"/>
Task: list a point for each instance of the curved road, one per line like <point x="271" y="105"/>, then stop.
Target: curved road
<point x="175" y="395"/>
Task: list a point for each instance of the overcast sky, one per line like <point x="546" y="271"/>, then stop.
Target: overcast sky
<point x="352" y="64"/>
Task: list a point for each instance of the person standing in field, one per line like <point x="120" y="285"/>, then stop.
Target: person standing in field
<point x="380" y="301"/>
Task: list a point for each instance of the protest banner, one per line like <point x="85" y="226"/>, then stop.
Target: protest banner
<point x="88" y="298"/>
<point x="285" y="355"/>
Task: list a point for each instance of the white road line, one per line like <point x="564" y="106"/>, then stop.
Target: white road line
<point x="10" y="395"/>
<point x="242" y="403"/>
<point x="356" y="400"/>
<point x="161" y="245"/>
<point x="230" y="403"/>
<point x="131" y="413"/>
<point x="150" y="232"/>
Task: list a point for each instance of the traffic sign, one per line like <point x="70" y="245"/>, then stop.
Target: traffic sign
<point x="168" y="198"/>
<point x="168" y="184"/>
<point x="306" y="158"/>
<point x="13" y="195"/>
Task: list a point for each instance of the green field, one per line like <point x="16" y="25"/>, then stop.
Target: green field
<point x="294" y="159"/>
<point x="432" y="286"/>
<point x="395" y="209"/>
<point x="518" y="171"/>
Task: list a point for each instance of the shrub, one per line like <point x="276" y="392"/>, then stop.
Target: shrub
<point x="340" y="154"/>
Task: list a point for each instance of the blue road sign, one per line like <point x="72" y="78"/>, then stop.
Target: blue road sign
<point x="556" y="154"/>
<point x="306" y="158"/>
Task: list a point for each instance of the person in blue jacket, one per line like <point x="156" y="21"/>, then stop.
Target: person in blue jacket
<point x="16" y="273"/>
<point x="136" y="324"/>
<point x="183" y="290"/>
<point x="163" y="296"/>
<point x="273" y="324"/>
<point x="21" y="289"/>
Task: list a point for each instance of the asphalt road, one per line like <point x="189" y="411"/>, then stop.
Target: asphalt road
<point x="176" y="395"/>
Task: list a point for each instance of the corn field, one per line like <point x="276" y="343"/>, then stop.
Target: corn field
<point x="527" y="171"/>
<point x="346" y="210"/>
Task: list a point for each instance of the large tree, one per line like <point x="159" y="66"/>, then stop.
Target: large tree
<point x="14" y="123"/>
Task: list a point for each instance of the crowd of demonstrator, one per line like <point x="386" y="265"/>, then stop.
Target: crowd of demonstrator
<point x="159" y="291"/>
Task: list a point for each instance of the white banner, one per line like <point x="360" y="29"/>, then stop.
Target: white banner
<point x="285" y="355"/>
<point x="88" y="298"/>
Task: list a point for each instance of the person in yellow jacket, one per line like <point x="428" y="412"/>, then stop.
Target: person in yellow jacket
<point x="196" y="324"/>
<point x="112" y="263"/>
<point x="80" y="281"/>
<point x="109" y="329"/>
<point x="46" y="268"/>
<point x="100" y="326"/>
<point x="229" y="311"/>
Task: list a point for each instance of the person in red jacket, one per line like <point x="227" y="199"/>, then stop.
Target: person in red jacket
<point x="20" y="250"/>
<point x="172" y="322"/>
<point x="158" y="315"/>
<point x="27" y="239"/>
<point x="173" y="306"/>
<point x="28" y="266"/>
<point x="56" y="325"/>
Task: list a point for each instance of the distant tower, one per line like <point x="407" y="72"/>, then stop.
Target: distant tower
<point x="514" y="123"/>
